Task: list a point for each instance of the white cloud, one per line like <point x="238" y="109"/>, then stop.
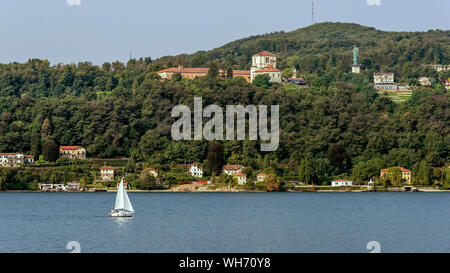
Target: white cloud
<point x="78" y="2"/>
<point x="374" y="2"/>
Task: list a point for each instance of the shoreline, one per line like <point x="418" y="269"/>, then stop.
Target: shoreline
<point x="228" y="191"/>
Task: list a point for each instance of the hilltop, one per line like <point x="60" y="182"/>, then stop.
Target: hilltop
<point x="313" y="48"/>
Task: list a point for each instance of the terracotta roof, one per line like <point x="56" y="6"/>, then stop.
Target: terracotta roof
<point x="194" y="70"/>
<point x="8" y="153"/>
<point x="239" y="174"/>
<point x="106" y="168"/>
<point x="28" y="156"/>
<point x="401" y="168"/>
<point x="268" y="68"/>
<point x="232" y="167"/>
<point x="383" y="73"/>
<point x="196" y="164"/>
<point x="70" y="147"/>
<point x="261" y="174"/>
<point x="241" y="72"/>
<point x="264" y="53"/>
<point x="151" y="169"/>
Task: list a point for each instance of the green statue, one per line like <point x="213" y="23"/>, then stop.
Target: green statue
<point x="355" y="55"/>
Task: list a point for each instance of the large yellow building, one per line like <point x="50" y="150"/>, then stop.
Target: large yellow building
<point x="194" y="72"/>
<point x="406" y="174"/>
<point x="72" y="152"/>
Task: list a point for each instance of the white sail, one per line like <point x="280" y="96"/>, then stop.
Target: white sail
<point x="119" y="197"/>
<point x="126" y="201"/>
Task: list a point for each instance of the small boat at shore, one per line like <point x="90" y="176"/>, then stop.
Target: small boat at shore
<point x="122" y="207"/>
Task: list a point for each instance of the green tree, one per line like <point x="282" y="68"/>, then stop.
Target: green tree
<point x="50" y="150"/>
<point x="272" y="182"/>
<point x="229" y="73"/>
<point x="147" y="181"/>
<point x="424" y="173"/>
<point x="287" y="73"/>
<point x="262" y="80"/>
<point x="215" y="158"/>
<point x="338" y="157"/>
<point x="213" y="71"/>
<point x="177" y="77"/>
<point x="306" y="171"/>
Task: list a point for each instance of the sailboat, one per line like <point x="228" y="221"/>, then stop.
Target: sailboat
<point x="123" y="207"/>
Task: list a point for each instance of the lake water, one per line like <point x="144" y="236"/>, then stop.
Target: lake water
<point x="227" y="222"/>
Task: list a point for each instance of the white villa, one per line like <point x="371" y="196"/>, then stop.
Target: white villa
<point x="265" y="63"/>
<point x="107" y="173"/>
<point x="241" y="178"/>
<point x="341" y="182"/>
<point x="232" y="169"/>
<point x="15" y="159"/>
<point x="196" y="170"/>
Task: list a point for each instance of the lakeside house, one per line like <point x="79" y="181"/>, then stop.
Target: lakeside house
<point x="425" y="81"/>
<point x="107" y="173"/>
<point x="241" y="178"/>
<point x="341" y="183"/>
<point x="152" y="172"/>
<point x="232" y="169"/>
<point x="260" y="177"/>
<point x="15" y="159"/>
<point x="405" y="173"/>
<point x="195" y="170"/>
<point x="52" y="187"/>
<point x="73" y="186"/>
<point x="72" y="152"/>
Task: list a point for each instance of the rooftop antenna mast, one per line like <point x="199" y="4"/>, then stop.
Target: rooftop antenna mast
<point x="312" y="13"/>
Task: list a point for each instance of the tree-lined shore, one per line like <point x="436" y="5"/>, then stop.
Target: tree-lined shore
<point x="339" y="127"/>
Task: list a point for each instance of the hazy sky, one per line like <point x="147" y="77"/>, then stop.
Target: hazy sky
<point x="106" y="30"/>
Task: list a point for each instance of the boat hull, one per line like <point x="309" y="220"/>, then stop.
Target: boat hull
<point x="121" y="213"/>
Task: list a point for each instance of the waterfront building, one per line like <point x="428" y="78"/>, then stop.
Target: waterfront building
<point x="260" y="177"/>
<point x="232" y="169"/>
<point x="196" y="170"/>
<point x="341" y="182"/>
<point x="241" y="178"/>
<point x="265" y="63"/>
<point x="405" y="173"/>
<point x="73" y="186"/>
<point x="72" y="152"/>
<point x="107" y="173"/>
<point x="15" y="159"/>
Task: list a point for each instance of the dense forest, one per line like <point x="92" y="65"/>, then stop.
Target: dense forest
<point x="338" y="127"/>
